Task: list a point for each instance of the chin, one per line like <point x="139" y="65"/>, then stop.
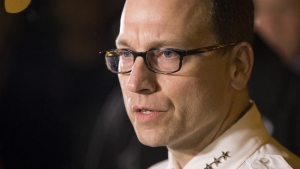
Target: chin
<point x="152" y="143"/>
<point x="152" y="138"/>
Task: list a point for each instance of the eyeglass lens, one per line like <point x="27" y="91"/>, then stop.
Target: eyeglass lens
<point x="161" y="60"/>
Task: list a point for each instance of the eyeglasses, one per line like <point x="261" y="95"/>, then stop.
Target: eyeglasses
<point x="158" y="60"/>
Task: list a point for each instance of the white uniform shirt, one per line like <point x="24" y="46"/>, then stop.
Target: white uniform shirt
<point x="246" y="145"/>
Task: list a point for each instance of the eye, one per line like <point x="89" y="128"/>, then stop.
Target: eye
<point x="126" y="54"/>
<point x="168" y="54"/>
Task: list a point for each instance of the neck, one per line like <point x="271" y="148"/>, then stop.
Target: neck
<point x="202" y="138"/>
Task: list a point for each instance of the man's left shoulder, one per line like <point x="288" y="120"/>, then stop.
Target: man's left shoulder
<point x="268" y="161"/>
<point x="274" y="156"/>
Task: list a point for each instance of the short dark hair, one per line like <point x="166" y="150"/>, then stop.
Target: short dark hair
<point x="233" y="20"/>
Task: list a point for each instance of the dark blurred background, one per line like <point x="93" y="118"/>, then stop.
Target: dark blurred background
<point x="52" y="81"/>
<point x="60" y="108"/>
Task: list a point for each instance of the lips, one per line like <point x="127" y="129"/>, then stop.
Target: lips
<point x="145" y="111"/>
<point x="144" y="114"/>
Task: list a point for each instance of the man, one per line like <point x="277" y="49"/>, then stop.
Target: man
<point x="188" y="91"/>
<point x="278" y="23"/>
<point x="275" y="79"/>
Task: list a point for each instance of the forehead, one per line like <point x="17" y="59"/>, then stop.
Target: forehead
<point x="145" y="21"/>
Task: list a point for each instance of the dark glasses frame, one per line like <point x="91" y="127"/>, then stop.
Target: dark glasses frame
<point x="181" y="53"/>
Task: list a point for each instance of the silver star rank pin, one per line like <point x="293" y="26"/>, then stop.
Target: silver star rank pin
<point x="225" y="155"/>
<point x="208" y="166"/>
<point x="217" y="161"/>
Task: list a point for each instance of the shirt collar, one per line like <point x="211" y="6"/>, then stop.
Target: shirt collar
<point x="239" y="142"/>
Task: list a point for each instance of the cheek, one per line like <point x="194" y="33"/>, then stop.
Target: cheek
<point x="194" y="104"/>
<point x="186" y="100"/>
<point x="211" y="82"/>
<point x="194" y="95"/>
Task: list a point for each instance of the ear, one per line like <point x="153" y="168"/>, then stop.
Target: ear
<point x="242" y="59"/>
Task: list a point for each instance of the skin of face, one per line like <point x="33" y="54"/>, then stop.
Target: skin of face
<point x="278" y="23"/>
<point x="189" y="108"/>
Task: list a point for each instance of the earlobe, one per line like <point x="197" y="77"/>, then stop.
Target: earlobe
<point x="241" y="65"/>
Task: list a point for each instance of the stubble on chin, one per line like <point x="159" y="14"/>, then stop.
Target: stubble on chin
<point x="157" y="136"/>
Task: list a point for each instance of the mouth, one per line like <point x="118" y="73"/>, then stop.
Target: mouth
<point x="146" y="111"/>
<point x="146" y="114"/>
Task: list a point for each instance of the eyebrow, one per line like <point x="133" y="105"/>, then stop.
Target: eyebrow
<point x="153" y="44"/>
<point x="122" y="42"/>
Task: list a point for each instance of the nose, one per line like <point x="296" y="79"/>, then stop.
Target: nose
<point x="141" y="79"/>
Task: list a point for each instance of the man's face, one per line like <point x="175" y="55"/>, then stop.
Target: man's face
<point x="278" y="22"/>
<point x="168" y="110"/>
